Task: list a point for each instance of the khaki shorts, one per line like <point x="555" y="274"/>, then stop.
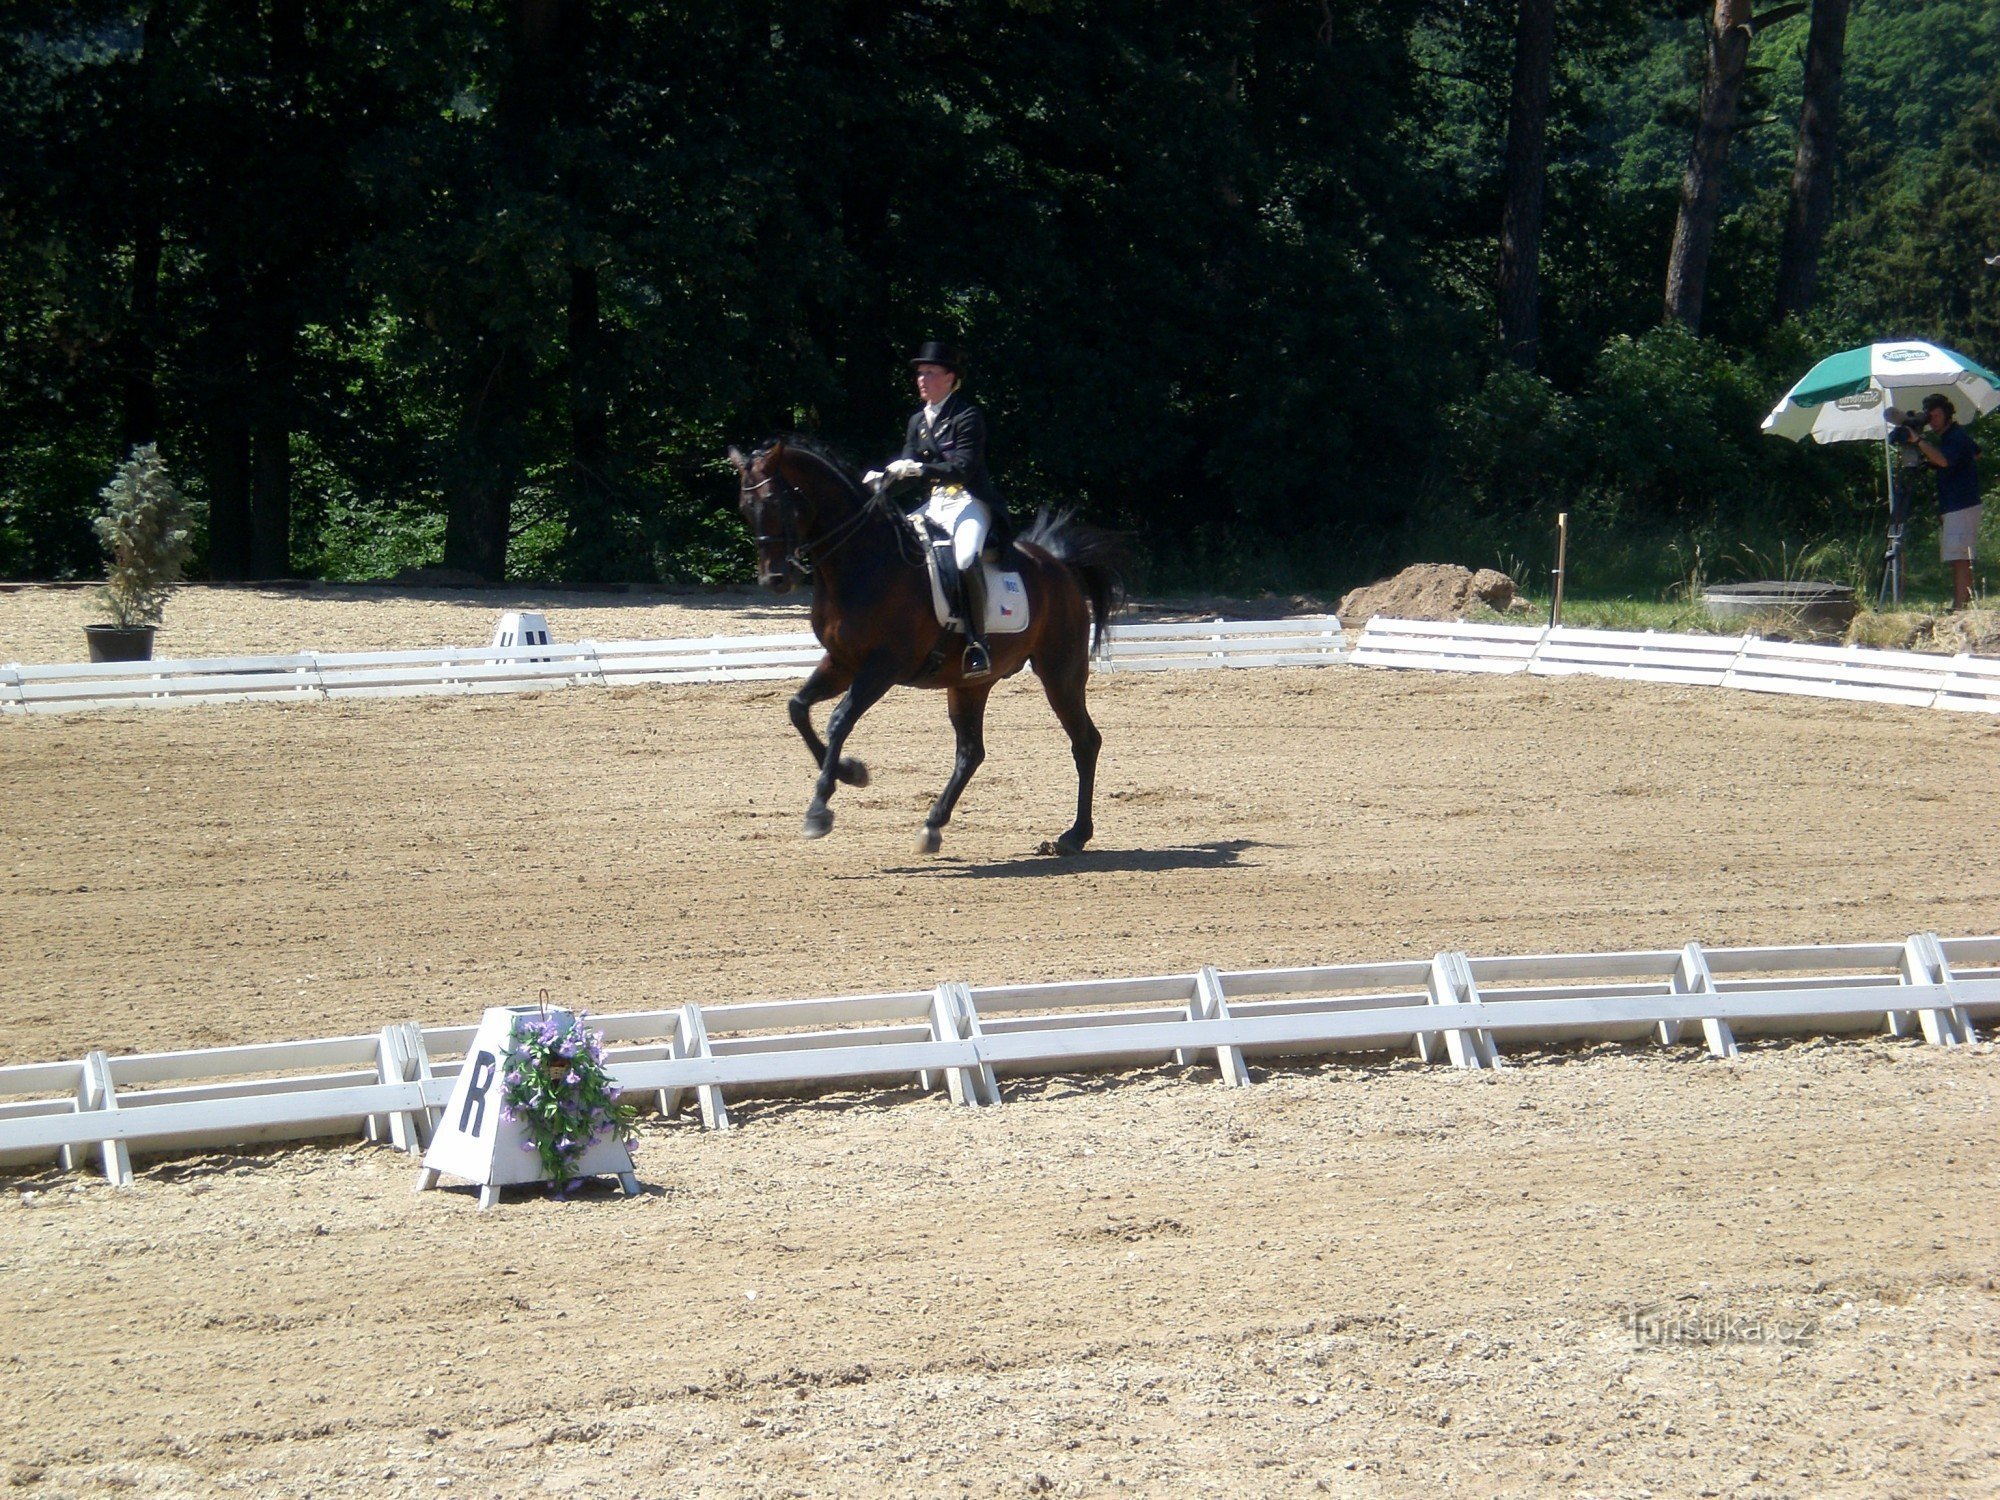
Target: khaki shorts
<point x="1958" y="531"/>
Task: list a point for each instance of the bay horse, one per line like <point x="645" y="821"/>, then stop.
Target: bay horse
<point x="871" y="609"/>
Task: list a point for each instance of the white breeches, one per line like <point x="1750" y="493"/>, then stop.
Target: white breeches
<point x="965" y="519"/>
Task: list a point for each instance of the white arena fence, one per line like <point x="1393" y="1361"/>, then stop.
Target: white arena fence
<point x="1914" y="679"/>
<point x="1910" y="678"/>
<point x="391" y="1085"/>
<point x="1314" y="640"/>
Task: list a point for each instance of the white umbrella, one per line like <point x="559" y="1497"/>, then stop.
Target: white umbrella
<point x="1842" y="398"/>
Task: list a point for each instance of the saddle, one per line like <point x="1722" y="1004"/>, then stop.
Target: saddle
<point x="1006" y="595"/>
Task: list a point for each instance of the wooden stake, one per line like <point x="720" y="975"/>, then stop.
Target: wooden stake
<point x="1562" y="558"/>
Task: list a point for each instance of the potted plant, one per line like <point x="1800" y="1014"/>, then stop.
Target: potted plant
<point x="144" y="529"/>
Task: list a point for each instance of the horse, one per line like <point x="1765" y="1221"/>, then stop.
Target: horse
<point x="813" y="519"/>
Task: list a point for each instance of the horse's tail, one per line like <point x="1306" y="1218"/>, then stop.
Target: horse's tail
<point x="1095" y="556"/>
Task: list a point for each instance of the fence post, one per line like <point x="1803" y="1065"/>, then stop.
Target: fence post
<point x="954" y="1019"/>
<point x="691" y="1040"/>
<point x="983" y="1084"/>
<point x="1449" y="984"/>
<point x="98" y="1092"/>
<point x="1211" y="1004"/>
<point x="1924" y="963"/>
<point x="1691" y="977"/>
<point x="401" y="1057"/>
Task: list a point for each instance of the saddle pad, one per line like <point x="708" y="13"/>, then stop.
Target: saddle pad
<point x="1006" y="598"/>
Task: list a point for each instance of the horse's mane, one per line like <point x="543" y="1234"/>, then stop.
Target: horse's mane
<point x="826" y="456"/>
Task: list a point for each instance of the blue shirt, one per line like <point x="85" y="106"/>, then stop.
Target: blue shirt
<point x="1958" y="480"/>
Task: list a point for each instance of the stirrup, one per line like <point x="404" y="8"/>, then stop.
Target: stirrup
<point x="977" y="663"/>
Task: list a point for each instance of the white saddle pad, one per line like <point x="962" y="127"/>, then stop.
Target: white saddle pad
<point x="1006" y="595"/>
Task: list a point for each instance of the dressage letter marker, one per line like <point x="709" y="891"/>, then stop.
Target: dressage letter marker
<point x="475" y="1142"/>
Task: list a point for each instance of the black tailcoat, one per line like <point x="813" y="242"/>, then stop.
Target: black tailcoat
<point x="953" y="451"/>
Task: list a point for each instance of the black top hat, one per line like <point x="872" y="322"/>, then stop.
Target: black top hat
<point x="934" y="353"/>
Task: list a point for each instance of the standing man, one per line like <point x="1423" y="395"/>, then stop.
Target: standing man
<point x="944" y="455"/>
<point x="1951" y="451"/>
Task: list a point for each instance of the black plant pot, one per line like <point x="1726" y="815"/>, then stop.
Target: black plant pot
<point x="120" y="642"/>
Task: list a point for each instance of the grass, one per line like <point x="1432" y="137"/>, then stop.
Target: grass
<point x="1617" y="612"/>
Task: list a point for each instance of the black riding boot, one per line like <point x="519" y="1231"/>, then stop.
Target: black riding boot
<point x="972" y="581"/>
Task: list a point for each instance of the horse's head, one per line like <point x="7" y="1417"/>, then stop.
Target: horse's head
<point x="771" y="508"/>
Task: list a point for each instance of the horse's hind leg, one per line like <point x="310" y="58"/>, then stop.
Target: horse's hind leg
<point x="876" y="677"/>
<point x="827" y="681"/>
<point x="1064" y="685"/>
<point x="968" y="722"/>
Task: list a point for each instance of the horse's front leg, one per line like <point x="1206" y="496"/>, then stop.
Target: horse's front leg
<point x="875" y="677"/>
<point x="968" y="723"/>
<point x="827" y="681"/>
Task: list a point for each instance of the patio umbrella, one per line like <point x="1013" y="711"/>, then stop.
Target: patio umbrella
<point x="1843" y="397"/>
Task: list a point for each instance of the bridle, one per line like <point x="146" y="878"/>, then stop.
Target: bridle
<point x="798" y="554"/>
<point x="783" y="496"/>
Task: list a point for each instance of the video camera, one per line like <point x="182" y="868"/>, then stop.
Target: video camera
<point x="1905" y="427"/>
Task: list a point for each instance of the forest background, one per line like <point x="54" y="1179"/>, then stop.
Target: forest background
<point x="1293" y="290"/>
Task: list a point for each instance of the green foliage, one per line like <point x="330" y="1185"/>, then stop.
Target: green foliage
<point x="401" y="283"/>
<point x="144" y="530"/>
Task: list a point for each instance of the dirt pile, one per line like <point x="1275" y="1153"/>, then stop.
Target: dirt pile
<point x="1430" y="591"/>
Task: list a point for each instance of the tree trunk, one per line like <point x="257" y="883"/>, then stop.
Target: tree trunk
<point x="139" y="357"/>
<point x="274" y="309"/>
<point x="1812" y="169"/>
<point x="1701" y="186"/>
<point x="271" y="430"/>
<point x="141" y="422"/>
<point x="872" y="170"/>
<point x="1521" y="216"/>
<point x="588" y="542"/>
<point x="486" y="469"/>
<point x="226" y="458"/>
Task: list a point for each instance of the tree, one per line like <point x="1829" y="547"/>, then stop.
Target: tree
<point x="1521" y="215"/>
<point x="1729" y="34"/>
<point x="1812" y="171"/>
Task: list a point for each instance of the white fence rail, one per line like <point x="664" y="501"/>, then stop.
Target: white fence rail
<point x="962" y="1038"/>
<point x="1915" y="679"/>
<point x="1912" y="678"/>
<point x="317" y="675"/>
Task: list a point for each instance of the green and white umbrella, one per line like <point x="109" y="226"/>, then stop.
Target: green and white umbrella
<point x="1842" y="398"/>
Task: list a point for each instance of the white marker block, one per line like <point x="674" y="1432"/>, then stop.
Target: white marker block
<point x="520" y="627"/>
<point x="472" y="1141"/>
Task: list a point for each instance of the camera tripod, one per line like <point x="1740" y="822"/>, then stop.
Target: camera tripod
<point x="1892" y="568"/>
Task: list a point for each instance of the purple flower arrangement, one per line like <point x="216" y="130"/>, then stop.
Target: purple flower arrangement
<point x="556" y="1085"/>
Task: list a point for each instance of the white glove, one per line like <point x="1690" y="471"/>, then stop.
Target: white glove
<point x="904" y="468"/>
<point x="872" y="477"/>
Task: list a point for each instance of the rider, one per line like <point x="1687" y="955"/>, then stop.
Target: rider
<point x="944" y="458"/>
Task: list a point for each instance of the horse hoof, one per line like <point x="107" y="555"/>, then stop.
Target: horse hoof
<point x="929" y="841"/>
<point x="1071" y="842"/>
<point x="819" y="822"/>
<point x="852" y="771"/>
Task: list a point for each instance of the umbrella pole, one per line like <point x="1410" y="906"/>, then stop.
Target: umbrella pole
<point x="1892" y="558"/>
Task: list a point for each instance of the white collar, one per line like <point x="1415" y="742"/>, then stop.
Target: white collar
<point x="931" y="412"/>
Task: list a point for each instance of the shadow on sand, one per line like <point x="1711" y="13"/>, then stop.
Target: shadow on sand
<point x="1217" y="854"/>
